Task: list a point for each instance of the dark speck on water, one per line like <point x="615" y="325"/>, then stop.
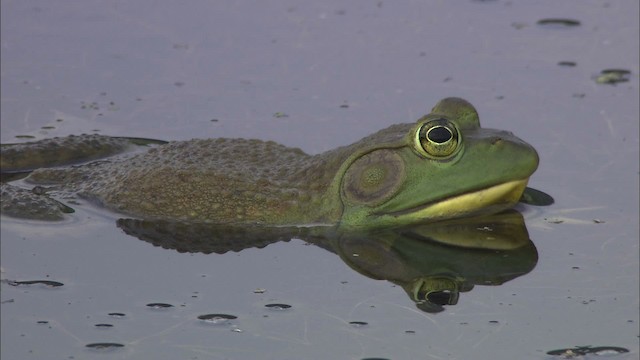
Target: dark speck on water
<point x="278" y="306"/>
<point x="48" y="283"/>
<point x="217" y="318"/>
<point x="103" y="326"/>
<point x="558" y="23"/>
<point x="586" y="350"/>
<point x="104" y="346"/>
<point x="358" y="323"/>
<point x="159" y="305"/>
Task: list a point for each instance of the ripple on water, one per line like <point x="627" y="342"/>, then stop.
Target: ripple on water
<point x="278" y="306"/>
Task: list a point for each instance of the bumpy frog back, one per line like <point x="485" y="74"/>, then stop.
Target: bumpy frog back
<point x="214" y="180"/>
<point x="224" y="181"/>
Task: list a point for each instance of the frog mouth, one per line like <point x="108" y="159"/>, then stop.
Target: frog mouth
<point x="488" y="200"/>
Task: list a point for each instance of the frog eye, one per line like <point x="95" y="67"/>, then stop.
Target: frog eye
<point x="438" y="139"/>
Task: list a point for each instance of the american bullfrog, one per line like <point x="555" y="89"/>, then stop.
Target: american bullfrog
<point x="442" y="166"/>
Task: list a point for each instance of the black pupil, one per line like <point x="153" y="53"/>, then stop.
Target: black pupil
<point x="439" y="134"/>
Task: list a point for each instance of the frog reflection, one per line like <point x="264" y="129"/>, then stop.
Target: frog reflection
<point x="433" y="263"/>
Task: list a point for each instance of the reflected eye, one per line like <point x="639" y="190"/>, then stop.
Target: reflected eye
<point x="437" y="139"/>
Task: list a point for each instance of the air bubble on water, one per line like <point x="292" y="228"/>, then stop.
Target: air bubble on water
<point x="236" y="329"/>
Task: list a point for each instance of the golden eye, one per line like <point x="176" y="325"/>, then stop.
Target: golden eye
<point x="437" y="139"/>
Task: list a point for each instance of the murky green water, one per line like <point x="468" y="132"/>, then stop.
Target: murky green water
<point x="317" y="76"/>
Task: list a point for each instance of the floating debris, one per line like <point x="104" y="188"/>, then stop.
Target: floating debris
<point x="48" y="283"/>
<point x="585" y="350"/>
<point x="567" y="63"/>
<point x="358" y="323"/>
<point x="259" y="291"/>
<point x="159" y="306"/>
<point x="558" y="23"/>
<point x="278" y="306"/>
<point x="104" y="346"/>
<point x="117" y="315"/>
<point x="279" y="115"/>
<point x="613" y="76"/>
<point x="103" y="326"/>
<point x="217" y="319"/>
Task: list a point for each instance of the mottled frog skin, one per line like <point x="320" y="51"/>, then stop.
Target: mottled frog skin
<point x="442" y="166"/>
